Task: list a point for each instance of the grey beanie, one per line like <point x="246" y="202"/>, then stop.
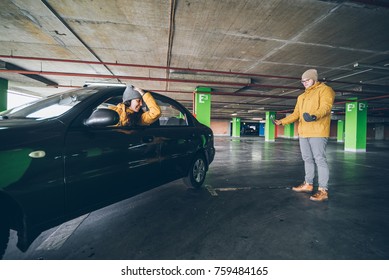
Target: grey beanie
<point x="130" y="93"/>
<point x="310" y="74"/>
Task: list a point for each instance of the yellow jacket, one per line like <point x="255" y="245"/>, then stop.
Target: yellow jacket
<point x="316" y="100"/>
<point x="146" y="118"/>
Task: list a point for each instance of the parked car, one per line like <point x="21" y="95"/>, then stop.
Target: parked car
<point x="249" y="131"/>
<point x="64" y="156"/>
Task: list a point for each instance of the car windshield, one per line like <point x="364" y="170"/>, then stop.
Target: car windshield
<point x="49" y="107"/>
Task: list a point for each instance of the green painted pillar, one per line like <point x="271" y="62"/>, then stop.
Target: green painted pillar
<point x="270" y="128"/>
<point x="235" y="127"/>
<point x="202" y="106"/>
<point x="3" y="94"/>
<point x="340" y="132"/>
<point x="289" y="130"/>
<point x="356" y="126"/>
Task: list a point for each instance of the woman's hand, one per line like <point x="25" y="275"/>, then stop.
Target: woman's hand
<point x="141" y="91"/>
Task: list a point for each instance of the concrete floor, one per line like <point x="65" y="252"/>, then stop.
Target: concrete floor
<point x="246" y="211"/>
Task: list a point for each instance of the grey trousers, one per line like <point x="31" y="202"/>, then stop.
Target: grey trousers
<point x="313" y="150"/>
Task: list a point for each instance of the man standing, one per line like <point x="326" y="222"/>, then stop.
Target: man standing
<point x="313" y="112"/>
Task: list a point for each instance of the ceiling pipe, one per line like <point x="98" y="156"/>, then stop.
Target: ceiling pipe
<point x="345" y="101"/>
<point x="231" y="94"/>
<point x="363" y="99"/>
<point x="253" y="95"/>
<point x="374" y="67"/>
<point x="139" y="78"/>
<point x="165" y="68"/>
<point x="39" y="78"/>
<point x="145" y="66"/>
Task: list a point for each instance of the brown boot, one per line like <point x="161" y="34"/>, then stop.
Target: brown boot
<point x="321" y="195"/>
<point x="304" y="187"/>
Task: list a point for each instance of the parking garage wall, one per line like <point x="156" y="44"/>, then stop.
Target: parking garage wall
<point x="377" y="131"/>
<point x="221" y="127"/>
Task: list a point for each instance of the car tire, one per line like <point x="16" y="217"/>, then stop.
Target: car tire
<point x="4" y="237"/>
<point x="197" y="172"/>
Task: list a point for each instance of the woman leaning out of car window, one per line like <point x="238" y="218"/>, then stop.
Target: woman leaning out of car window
<point x="130" y="110"/>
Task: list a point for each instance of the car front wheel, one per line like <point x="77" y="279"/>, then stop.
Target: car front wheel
<point x="4" y="236"/>
<point x="197" y="172"/>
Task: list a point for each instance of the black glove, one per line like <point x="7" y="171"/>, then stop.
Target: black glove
<point x="309" y="118"/>
<point x="273" y="120"/>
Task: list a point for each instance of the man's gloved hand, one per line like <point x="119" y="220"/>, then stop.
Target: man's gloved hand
<point x="309" y="118"/>
<point x="273" y="120"/>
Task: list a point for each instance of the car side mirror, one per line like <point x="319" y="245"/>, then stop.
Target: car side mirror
<point x="102" y="118"/>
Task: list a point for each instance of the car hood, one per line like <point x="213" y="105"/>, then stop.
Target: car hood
<point x="15" y="132"/>
<point x="24" y="122"/>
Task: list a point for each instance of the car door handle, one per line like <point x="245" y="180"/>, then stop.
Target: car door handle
<point x="37" y="154"/>
<point x="148" y="139"/>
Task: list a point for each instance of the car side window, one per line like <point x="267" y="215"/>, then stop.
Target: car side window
<point x="171" y="115"/>
<point x="110" y="102"/>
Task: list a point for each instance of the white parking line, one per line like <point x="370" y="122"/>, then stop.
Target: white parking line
<point x="61" y="234"/>
<point x="211" y="190"/>
<point x="234" y="189"/>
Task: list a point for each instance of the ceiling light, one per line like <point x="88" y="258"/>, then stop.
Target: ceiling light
<point x="105" y="84"/>
<point x="376" y="67"/>
<point x="260" y="109"/>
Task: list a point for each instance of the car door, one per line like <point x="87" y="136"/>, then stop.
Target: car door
<point x="178" y="139"/>
<point x="104" y="165"/>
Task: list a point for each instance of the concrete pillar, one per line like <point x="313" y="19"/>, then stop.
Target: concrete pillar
<point x="3" y="94"/>
<point x="289" y="131"/>
<point x="235" y="127"/>
<point x="202" y="106"/>
<point x="356" y="126"/>
<point x="340" y="132"/>
<point x="270" y="128"/>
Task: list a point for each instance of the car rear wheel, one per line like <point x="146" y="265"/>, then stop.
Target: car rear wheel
<point x="4" y="236"/>
<point x="197" y="172"/>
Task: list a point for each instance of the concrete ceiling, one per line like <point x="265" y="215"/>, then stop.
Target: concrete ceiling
<point x="250" y="52"/>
